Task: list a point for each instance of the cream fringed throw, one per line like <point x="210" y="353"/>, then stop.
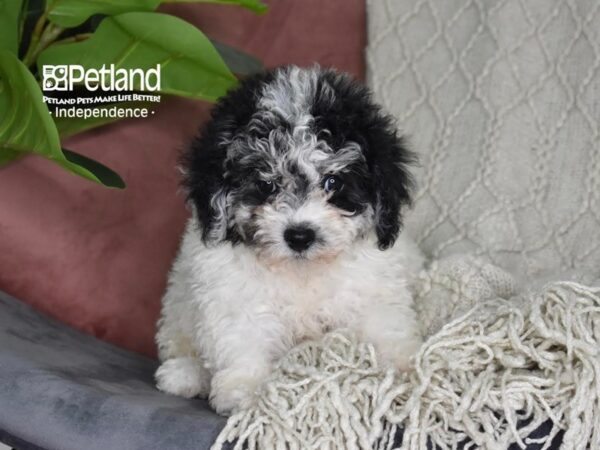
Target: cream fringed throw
<point x="534" y="355"/>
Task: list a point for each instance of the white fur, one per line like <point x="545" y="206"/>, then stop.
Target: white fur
<point x="229" y="314"/>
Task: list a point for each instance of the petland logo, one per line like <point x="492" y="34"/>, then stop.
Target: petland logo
<point x="65" y="77"/>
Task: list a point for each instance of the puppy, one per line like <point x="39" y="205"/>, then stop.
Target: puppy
<point x="296" y="187"/>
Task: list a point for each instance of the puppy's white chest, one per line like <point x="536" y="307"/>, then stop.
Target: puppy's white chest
<point x="310" y="303"/>
<point x="299" y="300"/>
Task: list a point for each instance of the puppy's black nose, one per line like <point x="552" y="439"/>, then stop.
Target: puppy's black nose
<point x="299" y="238"/>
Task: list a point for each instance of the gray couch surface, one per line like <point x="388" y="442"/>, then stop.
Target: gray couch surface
<point x="63" y="390"/>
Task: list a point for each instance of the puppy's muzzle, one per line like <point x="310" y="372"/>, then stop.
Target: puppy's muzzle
<point x="299" y="238"/>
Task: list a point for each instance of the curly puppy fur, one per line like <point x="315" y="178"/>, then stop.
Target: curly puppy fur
<point x="296" y="187"/>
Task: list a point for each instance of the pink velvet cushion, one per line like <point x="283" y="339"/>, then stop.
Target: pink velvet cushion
<point x="98" y="258"/>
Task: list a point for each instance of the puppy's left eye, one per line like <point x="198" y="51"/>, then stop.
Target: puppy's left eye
<point x="266" y="187"/>
<point x="332" y="183"/>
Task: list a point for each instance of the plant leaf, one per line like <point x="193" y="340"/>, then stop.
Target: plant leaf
<point x="253" y="5"/>
<point x="8" y="156"/>
<point x="71" y="13"/>
<point x="190" y="65"/>
<point x="68" y="126"/>
<point x="32" y="11"/>
<point x="107" y="176"/>
<point x="10" y="14"/>
<point x="25" y="123"/>
<point x="238" y="61"/>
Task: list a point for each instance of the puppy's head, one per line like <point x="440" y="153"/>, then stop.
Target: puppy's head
<point x="298" y="164"/>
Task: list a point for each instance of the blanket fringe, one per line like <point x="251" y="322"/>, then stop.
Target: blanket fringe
<point x="488" y="378"/>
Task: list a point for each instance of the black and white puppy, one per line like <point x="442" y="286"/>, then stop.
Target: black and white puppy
<point x="296" y="186"/>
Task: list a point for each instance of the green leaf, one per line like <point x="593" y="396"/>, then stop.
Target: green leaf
<point x="8" y="156"/>
<point x="190" y="65"/>
<point x="25" y="123"/>
<point x="106" y="176"/>
<point x="68" y="126"/>
<point x="10" y="12"/>
<point x="238" y="61"/>
<point x="71" y="13"/>
<point x="253" y="5"/>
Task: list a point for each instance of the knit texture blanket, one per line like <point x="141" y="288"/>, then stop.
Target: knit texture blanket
<point x="504" y="360"/>
<point x="501" y="100"/>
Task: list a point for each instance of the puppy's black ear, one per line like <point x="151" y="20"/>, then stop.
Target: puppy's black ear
<point x="354" y="116"/>
<point x="389" y="161"/>
<point x="204" y="163"/>
<point x="203" y="167"/>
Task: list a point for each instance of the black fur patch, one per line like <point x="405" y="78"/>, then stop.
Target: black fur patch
<point x="205" y="157"/>
<point x="387" y="181"/>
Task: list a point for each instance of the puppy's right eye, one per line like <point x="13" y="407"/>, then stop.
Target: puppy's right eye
<point x="266" y="187"/>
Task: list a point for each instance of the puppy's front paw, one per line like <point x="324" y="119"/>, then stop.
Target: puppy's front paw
<point x="235" y="389"/>
<point x="184" y="376"/>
